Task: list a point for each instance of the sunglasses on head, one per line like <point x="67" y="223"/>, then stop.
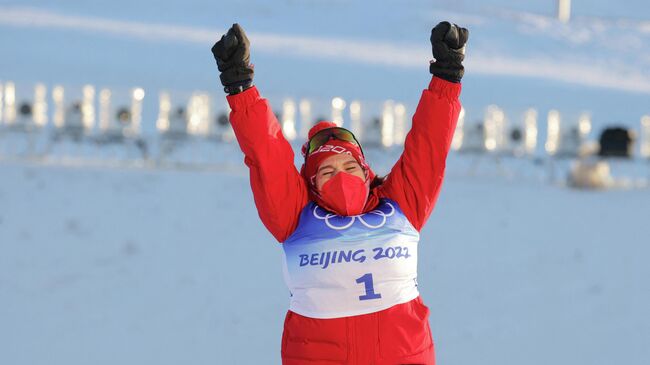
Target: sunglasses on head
<point x="325" y="135"/>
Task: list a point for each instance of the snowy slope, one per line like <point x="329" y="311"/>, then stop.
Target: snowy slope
<point x="121" y="266"/>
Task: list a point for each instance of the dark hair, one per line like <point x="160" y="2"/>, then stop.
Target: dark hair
<point x="377" y="181"/>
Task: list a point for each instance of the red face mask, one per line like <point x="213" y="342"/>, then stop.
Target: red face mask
<point x="345" y="194"/>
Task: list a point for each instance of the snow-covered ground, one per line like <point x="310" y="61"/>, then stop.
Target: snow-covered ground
<point x="103" y="262"/>
<point x="160" y="266"/>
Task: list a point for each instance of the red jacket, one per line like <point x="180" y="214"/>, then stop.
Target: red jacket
<point x="414" y="183"/>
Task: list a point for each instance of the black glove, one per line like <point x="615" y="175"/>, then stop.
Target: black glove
<point x="448" y="45"/>
<point x="232" y="53"/>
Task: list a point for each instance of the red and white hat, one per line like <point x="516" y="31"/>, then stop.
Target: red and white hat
<point x="328" y="149"/>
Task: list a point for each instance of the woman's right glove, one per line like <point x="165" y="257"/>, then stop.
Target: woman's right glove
<point x="448" y="45"/>
<point x="232" y="53"/>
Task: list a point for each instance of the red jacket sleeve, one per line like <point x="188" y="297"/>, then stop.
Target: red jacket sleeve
<point x="415" y="180"/>
<point x="279" y="190"/>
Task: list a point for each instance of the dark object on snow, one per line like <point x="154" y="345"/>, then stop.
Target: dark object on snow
<point x="516" y="135"/>
<point x="25" y="109"/>
<point x="223" y="119"/>
<point x="76" y="107"/>
<point x="180" y="113"/>
<point x="124" y="115"/>
<point x="616" y="142"/>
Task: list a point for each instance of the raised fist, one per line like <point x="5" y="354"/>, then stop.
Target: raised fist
<point x="448" y="46"/>
<point x="232" y="53"/>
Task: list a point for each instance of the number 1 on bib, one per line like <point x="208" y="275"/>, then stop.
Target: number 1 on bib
<point x="370" y="290"/>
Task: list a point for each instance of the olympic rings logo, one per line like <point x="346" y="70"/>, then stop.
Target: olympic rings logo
<point x="373" y="219"/>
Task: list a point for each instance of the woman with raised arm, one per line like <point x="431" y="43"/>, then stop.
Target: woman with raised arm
<point x="349" y="238"/>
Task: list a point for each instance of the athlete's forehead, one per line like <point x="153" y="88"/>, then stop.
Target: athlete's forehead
<point x="338" y="159"/>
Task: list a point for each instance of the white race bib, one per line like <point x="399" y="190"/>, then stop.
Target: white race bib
<point x="338" y="266"/>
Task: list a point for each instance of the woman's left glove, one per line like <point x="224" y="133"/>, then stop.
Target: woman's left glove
<point x="448" y="46"/>
<point x="232" y="53"/>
